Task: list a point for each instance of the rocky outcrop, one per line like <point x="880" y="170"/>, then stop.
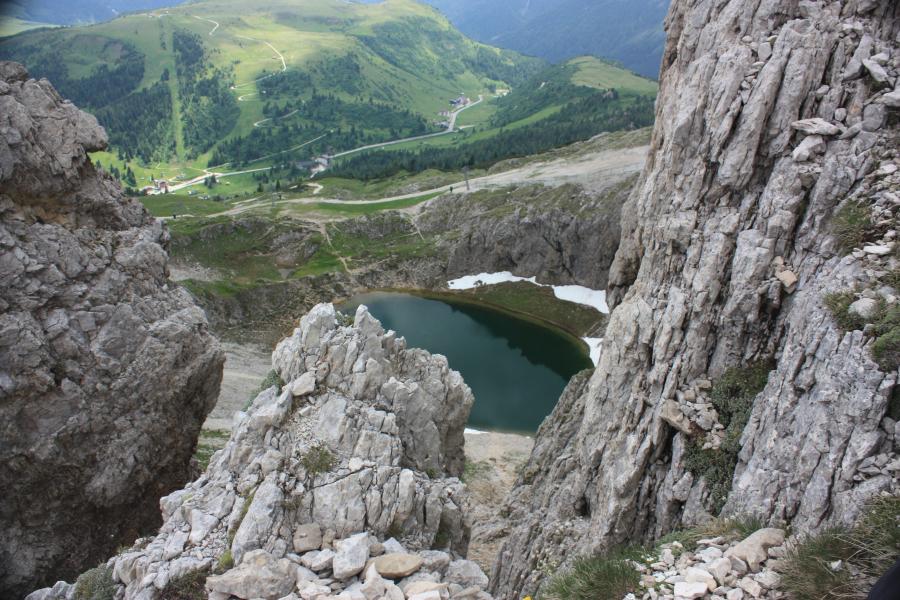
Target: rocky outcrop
<point x="561" y="235"/>
<point x="726" y="260"/>
<point x="354" y="458"/>
<point x="107" y="370"/>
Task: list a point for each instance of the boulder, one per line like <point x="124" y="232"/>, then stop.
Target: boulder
<point x="816" y="126"/>
<point x="864" y="307"/>
<point x="466" y="573"/>
<point x="397" y="566"/>
<point x="690" y="590"/>
<point x="304" y="385"/>
<point x="753" y="549"/>
<point x="351" y="556"/>
<point x="318" y="560"/>
<point x="260" y="575"/>
<point x="307" y="536"/>
<point x="810" y="146"/>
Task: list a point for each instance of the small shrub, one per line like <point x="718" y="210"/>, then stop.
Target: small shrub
<point x="272" y="379"/>
<point x="732" y="396"/>
<point x="885" y="327"/>
<point x="190" y="586"/>
<point x="96" y="584"/>
<point x="839" y="305"/>
<point x="225" y="562"/>
<point x="596" y="578"/>
<point x="318" y="459"/>
<point x="886" y="350"/>
<point x="852" y="226"/>
<point x="808" y="574"/>
<point x="866" y="552"/>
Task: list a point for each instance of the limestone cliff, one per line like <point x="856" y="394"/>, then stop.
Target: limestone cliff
<point x="354" y="457"/>
<point x="107" y="370"/>
<point x="774" y="116"/>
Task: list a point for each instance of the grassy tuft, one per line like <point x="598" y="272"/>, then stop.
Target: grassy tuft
<point x="272" y="379"/>
<point x="190" y="586"/>
<point x="839" y="305"/>
<point x="96" y="584"/>
<point x="595" y="578"/>
<point x="225" y="562"/>
<point x="732" y="396"/>
<point x="318" y="459"/>
<point x="865" y="552"/>
<point x="732" y="529"/>
<point x="852" y="226"/>
<point x="885" y="327"/>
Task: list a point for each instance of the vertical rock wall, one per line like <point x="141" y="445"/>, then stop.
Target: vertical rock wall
<point x="772" y="115"/>
<point x="107" y="370"/>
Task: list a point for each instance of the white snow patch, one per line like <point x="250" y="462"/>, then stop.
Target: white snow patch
<point x="573" y="293"/>
<point x="582" y="295"/>
<point x="596" y="346"/>
<point x="472" y="281"/>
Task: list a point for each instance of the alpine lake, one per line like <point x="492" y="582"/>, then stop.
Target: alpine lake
<point x="516" y="368"/>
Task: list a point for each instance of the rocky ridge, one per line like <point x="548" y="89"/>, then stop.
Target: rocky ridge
<point x="342" y="483"/>
<point x="89" y="327"/>
<point x="772" y="118"/>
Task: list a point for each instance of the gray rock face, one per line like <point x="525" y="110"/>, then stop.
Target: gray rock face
<point x="107" y="370"/>
<point x="722" y="207"/>
<point x="327" y="473"/>
<point x="561" y="235"/>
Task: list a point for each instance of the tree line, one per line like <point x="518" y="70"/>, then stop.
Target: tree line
<point x="601" y="111"/>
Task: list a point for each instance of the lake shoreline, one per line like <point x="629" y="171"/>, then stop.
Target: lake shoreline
<point x="461" y="297"/>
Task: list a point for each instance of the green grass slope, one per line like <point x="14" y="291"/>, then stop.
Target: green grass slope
<point x="236" y="81"/>
<point x="561" y="104"/>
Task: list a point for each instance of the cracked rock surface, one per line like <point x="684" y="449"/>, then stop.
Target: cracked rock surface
<point x="107" y="370"/>
<point x="356" y="457"/>
<point x="772" y="116"/>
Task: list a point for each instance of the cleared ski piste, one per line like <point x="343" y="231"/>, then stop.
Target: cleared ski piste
<point x="573" y="293"/>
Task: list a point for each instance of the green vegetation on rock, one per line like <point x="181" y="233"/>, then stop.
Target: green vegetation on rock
<point x="190" y="586"/>
<point x="843" y="563"/>
<point x="607" y="577"/>
<point x="732" y="397"/>
<point x="883" y="324"/>
<point x="318" y="459"/>
<point x="95" y="584"/>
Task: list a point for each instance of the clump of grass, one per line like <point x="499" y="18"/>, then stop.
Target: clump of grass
<point x="96" y="584"/>
<point x="839" y="305"/>
<point x="732" y="529"/>
<point x="595" y="578"/>
<point x="852" y="225"/>
<point x="247" y="502"/>
<point x="866" y="552"/>
<point x="190" y="586"/>
<point x="885" y="327"/>
<point x="318" y="459"/>
<point x="225" y="562"/>
<point x="732" y="396"/>
<point x="272" y="379"/>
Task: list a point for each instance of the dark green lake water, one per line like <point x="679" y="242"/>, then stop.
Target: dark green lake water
<point x="516" y="369"/>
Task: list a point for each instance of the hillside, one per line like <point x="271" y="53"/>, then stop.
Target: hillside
<point x="630" y="33"/>
<point x="561" y="104"/>
<point x="218" y="79"/>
